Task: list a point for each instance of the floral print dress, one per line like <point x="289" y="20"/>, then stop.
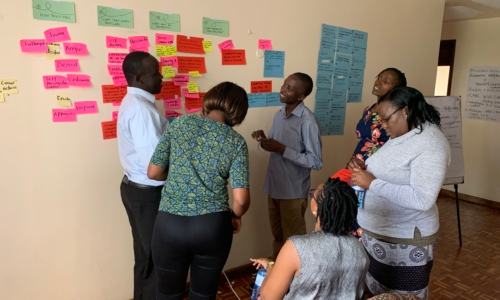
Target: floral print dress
<point x="370" y="134"/>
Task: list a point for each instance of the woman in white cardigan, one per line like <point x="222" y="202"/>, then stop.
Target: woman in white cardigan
<point x="399" y="216"/>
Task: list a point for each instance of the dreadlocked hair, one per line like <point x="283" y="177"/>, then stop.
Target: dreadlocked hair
<point x="337" y="207"/>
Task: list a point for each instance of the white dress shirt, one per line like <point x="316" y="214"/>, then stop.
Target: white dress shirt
<point x="140" y="127"/>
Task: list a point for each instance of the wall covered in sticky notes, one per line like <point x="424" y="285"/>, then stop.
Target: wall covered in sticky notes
<point x="60" y="166"/>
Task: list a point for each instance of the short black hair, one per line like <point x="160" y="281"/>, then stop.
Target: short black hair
<point x="229" y="98"/>
<point x="419" y="111"/>
<point x="306" y="80"/>
<point x="133" y="65"/>
<point x="401" y="76"/>
<point x="337" y="207"/>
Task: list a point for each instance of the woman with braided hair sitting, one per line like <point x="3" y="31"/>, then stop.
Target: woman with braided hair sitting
<point x="329" y="263"/>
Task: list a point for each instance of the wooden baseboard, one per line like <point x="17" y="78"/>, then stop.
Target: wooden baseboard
<point x="237" y="272"/>
<point x="469" y="198"/>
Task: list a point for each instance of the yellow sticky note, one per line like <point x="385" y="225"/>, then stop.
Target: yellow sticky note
<point x="207" y="46"/>
<point x="192" y="87"/>
<point x="168" y="71"/>
<point x="195" y="74"/>
<point x="64" y="100"/>
<point x="53" y="51"/>
<point x="9" y="86"/>
<point x="2" y="97"/>
<point x="170" y="51"/>
<point x="161" y="50"/>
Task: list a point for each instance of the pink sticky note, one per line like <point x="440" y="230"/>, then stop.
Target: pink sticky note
<point x="75" y="49"/>
<point x="67" y="65"/>
<point x="181" y="80"/>
<point x="164" y="39"/>
<point x="114" y="115"/>
<point x="59" y="34"/>
<point x="119" y="80"/>
<point x="172" y="114"/>
<point x="86" y="107"/>
<point x="64" y="115"/>
<point x="79" y="80"/>
<point x="116" y="58"/>
<point x="115" y="70"/>
<point x="116" y="103"/>
<point x="172" y="102"/>
<point x="33" y="46"/>
<point x="55" y="82"/>
<point x="265" y="44"/>
<point x="116" y="42"/>
<point x="226" y="45"/>
<point x="140" y="49"/>
<point x="138" y="41"/>
<point x="188" y="95"/>
<point x="170" y="61"/>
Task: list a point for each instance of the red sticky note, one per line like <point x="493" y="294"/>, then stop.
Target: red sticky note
<point x="115" y="70"/>
<point x="86" y="107"/>
<point x="58" y="34"/>
<point x="181" y="80"/>
<point x="265" y="45"/>
<point x="168" y="90"/>
<point x="79" y="80"/>
<point x="194" y="104"/>
<point x="64" y="115"/>
<point x="55" y="82"/>
<point x="33" y="46"/>
<point x="116" y="42"/>
<point x="170" y="61"/>
<point x="172" y="102"/>
<point x="264" y="86"/>
<point x="343" y="174"/>
<point x="114" y="115"/>
<point x="189" y="63"/>
<point x="75" y="49"/>
<point x="111" y="93"/>
<point x="67" y="65"/>
<point x="233" y="57"/>
<point x="191" y="45"/>
<point x="164" y="39"/>
<point x="108" y="130"/>
<point x="138" y="41"/>
<point x="226" y="45"/>
<point x="116" y="58"/>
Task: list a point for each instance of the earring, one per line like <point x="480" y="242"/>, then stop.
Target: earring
<point x="406" y="116"/>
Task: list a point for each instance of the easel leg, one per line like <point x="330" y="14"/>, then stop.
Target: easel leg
<point x="458" y="214"/>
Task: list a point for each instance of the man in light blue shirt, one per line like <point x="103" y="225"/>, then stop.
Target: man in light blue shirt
<point x="140" y="127"/>
<point x="295" y="145"/>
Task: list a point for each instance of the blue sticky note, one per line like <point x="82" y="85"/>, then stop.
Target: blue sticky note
<point x="358" y="50"/>
<point x="357" y="75"/>
<point x="358" y="62"/>
<point x="336" y="129"/>
<point x="344" y="47"/>
<point x="324" y="80"/>
<point x="360" y="38"/>
<point x="328" y="32"/>
<point x="342" y="60"/>
<point x="323" y="93"/>
<point x="326" y="55"/>
<point x="342" y="71"/>
<point x="339" y="96"/>
<point x="273" y="99"/>
<point x="326" y="67"/>
<point x="344" y="34"/>
<point x="328" y="45"/>
<point x="355" y="87"/>
<point x="274" y="64"/>
<point x="340" y="83"/>
<point x="354" y="97"/>
<point x="257" y="100"/>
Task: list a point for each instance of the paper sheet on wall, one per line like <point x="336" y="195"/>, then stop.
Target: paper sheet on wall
<point x="483" y="94"/>
<point x="108" y="130"/>
<point x="59" y="11"/>
<point x="64" y="100"/>
<point x="215" y="27"/>
<point x="53" y="51"/>
<point x="8" y="86"/>
<point x="164" y="21"/>
<point x="274" y="64"/>
<point x="115" y="17"/>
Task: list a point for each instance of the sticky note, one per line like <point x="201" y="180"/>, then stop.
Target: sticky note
<point x="164" y="21"/>
<point x="164" y="39"/>
<point x="116" y="58"/>
<point x="195" y="74"/>
<point x="192" y="87"/>
<point x="161" y="50"/>
<point x="324" y="80"/>
<point x="339" y="96"/>
<point x="188" y="64"/>
<point x="328" y="32"/>
<point x="273" y="99"/>
<point x="53" y="51"/>
<point x="168" y="72"/>
<point x="190" y="45"/>
<point x="327" y="45"/>
<point x="67" y="65"/>
<point x="33" y="46"/>
<point x="207" y="45"/>
<point x="172" y="114"/>
<point x="360" y="38"/>
<point x="355" y="87"/>
<point x="343" y="174"/>
<point x="257" y="100"/>
<point x="264" y="86"/>
<point x="86" y="107"/>
<point x="59" y="34"/>
<point x="117" y="103"/>
<point x="342" y="60"/>
<point x="215" y="27"/>
<point x="138" y="49"/>
<point x="64" y="115"/>
<point x="265" y="44"/>
<point x="344" y="34"/>
<point x="181" y="80"/>
<point x="353" y="97"/>
<point x="274" y="63"/>
<point x="108" y="130"/>
<point x="344" y="47"/>
<point x="113" y="94"/>
<point x="64" y="100"/>
<point x="119" y="80"/>
<point x="80" y="80"/>
<point x="233" y="57"/>
<point x="59" y="11"/>
<point x="170" y="51"/>
<point x="139" y="41"/>
<point x="168" y="90"/>
<point x="116" y="42"/>
<point x="75" y="49"/>
<point x="187" y="94"/>
<point x="114" y="70"/>
<point x="226" y="45"/>
<point x="170" y="61"/>
<point x="55" y="82"/>
<point x="172" y="102"/>
<point x="114" y="115"/>
<point x="114" y="17"/>
<point x="194" y="104"/>
<point x="8" y="86"/>
<point x="326" y="67"/>
<point x="358" y="62"/>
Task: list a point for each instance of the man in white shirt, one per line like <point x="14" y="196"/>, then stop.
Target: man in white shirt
<point x="140" y="127"/>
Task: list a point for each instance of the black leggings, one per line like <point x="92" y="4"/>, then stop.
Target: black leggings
<point x="202" y="242"/>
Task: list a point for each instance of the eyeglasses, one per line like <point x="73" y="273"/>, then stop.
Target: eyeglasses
<point x="385" y="120"/>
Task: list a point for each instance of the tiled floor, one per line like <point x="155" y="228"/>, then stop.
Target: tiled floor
<point x="470" y="272"/>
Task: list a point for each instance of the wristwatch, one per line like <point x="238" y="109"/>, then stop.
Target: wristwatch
<point x="270" y="264"/>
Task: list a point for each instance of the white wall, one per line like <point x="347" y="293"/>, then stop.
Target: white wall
<point x="63" y="230"/>
<point x="477" y="45"/>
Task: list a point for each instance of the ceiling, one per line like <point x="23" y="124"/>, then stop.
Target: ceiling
<point x="471" y="9"/>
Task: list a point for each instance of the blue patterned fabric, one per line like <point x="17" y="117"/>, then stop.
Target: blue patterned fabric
<point x="201" y="155"/>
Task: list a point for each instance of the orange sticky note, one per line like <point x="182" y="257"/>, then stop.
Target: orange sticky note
<point x="111" y="93"/>
<point x="233" y="57"/>
<point x="343" y="174"/>
<point x="168" y="90"/>
<point x="189" y="63"/>
<point x="108" y="130"/>
<point x="264" y="86"/>
<point x="190" y="45"/>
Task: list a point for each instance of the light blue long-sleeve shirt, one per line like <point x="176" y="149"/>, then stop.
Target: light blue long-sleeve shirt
<point x="289" y="175"/>
<point x="139" y="129"/>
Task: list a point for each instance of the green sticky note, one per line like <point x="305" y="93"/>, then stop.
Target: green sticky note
<point x="54" y="11"/>
<point x="215" y="27"/>
<point x="115" y="17"/>
<point x="163" y="21"/>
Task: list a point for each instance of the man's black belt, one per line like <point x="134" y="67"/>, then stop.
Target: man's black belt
<point x="138" y="185"/>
